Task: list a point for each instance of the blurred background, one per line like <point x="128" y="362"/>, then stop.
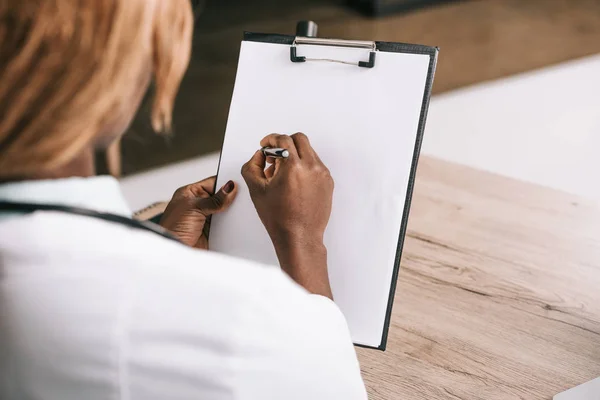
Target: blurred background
<point x="479" y="40"/>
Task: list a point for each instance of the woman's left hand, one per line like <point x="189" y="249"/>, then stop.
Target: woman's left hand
<point x="188" y="213"/>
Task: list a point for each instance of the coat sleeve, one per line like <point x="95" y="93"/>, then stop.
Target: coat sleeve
<point x="257" y="335"/>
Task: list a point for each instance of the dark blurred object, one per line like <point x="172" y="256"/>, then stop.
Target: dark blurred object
<point x="197" y="6"/>
<point x="307" y="29"/>
<point x="108" y="160"/>
<point x="382" y="7"/>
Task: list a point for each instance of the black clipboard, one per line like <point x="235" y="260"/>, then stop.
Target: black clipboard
<point x="371" y="62"/>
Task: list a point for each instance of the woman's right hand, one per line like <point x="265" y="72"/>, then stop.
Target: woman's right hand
<point x="293" y="200"/>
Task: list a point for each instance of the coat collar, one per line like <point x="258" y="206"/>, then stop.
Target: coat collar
<point x="101" y="193"/>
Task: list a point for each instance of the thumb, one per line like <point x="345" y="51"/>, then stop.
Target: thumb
<point x="253" y="171"/>
<point x="218" y="202"/>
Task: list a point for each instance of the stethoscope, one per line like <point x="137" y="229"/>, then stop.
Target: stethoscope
<point x="117" y="219"/>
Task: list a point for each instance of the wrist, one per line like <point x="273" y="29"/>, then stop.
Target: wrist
<point x="304" y="259"/>
<point x="293" y="240"/>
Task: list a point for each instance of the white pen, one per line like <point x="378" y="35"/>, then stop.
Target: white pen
<point x="275" y="152"/>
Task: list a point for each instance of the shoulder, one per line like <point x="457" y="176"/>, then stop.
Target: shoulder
<point x="99" y="247"/>
<point x="245" y="328"/>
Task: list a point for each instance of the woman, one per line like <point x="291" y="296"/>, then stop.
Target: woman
<point x="95" y="306"/>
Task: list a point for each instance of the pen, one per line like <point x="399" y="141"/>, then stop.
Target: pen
<point x="275" y="152"/>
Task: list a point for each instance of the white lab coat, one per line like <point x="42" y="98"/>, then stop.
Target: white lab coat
<point x="91" y="309"/>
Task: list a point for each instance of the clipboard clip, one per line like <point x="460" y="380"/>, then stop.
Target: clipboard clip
<point x="361" y="44"/>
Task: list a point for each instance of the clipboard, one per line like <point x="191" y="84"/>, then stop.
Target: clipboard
<point x="362" y="70"/>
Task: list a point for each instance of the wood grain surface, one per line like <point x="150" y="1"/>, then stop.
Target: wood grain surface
<point x="498" y="295"/>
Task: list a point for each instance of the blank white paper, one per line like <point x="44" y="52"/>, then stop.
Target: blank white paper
<point x="363" y="124"/>
<point x="587" y="391"/>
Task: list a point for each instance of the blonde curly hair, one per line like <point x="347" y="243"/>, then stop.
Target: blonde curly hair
<point x="70" y="69"/>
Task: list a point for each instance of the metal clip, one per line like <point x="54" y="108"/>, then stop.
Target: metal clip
<point x="361" y="44"/>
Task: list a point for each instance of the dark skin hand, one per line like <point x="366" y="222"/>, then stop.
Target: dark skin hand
<point x="293" y="200"/>
<point x="188" y="213"/>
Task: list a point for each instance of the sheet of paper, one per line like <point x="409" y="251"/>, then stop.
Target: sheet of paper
<point x="586" y="391"/>
<point x="363" y="124"/>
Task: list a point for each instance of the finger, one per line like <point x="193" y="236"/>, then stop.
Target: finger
<point x="282" y="141"/>
<point x="204" y="186"/>
<point x="304" y="147"/>
<point x="305" y="150"/>
<point x="270" y="171"/>
<point x="218" y="202"/>
<point x="274" y="167"/>
<point x="202" y="242"/>
<point x="206" y="227"/>
<point x="254" y="170"/>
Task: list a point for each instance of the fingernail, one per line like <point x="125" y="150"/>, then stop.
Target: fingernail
<point x="229" y="186"/>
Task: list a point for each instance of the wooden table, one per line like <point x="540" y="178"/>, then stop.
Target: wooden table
<point x="498" y="295"/>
